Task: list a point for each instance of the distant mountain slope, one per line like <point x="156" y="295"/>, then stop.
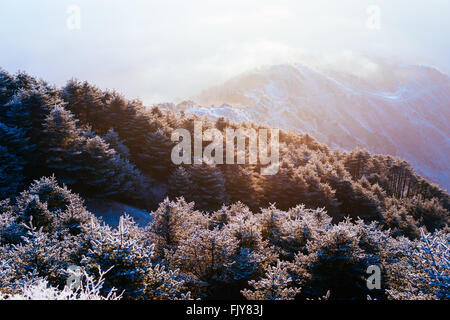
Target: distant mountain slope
<point x="401" y="110"/>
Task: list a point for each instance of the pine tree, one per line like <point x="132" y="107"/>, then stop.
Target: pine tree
<point x="106" y="174"/>
<point x="112" y="138"/>
<point x="286" y="189"/>
<point x="131" y="269"/>
<point x="85" y="101"/>
<point x="276" y="285"/>
<point x="422" y="273"/>
<point x="86" y="161"/>
<point x="99" y="170"/>
<point x="133" y="126"/>
<point x="334" y="258"/>
<point x="28" y="111"/>
<point x="241" y="184"/>
<point x="11" y="173"/>
<point x="356" y="162"/>
<point x="207" y="256"/>
<point x="180" y="184"/>
<point x="7" y="90"/>
<point x="15" y="147"/>
<point x="171" y="222"/>
<point x="156" y="156"/>
<point x="209" y="186"/>
<point x="63" y="142"/>
<point x="14" y="139"/>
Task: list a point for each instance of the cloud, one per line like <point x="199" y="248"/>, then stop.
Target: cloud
<point x="257" y="17"/>
<point x="352" y="63"/>
<point x="169" y="50"/>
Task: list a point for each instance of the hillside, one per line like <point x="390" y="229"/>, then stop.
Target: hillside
<point x="75" y="157"/>
<point x="401" y="110"/>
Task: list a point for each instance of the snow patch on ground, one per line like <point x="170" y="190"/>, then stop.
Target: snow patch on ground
<point x="225" y="111"/>
<point x="111" y="211"/>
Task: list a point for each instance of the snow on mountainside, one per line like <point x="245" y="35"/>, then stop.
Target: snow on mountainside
<point x="402" y="110"/>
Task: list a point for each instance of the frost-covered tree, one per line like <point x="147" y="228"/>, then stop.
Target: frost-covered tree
<point x="422" y="273"/>
<point x="180" y="184"/>
<point x="26" y="111"/>
<point x="129" y="260"/>
<point x="112" y="138"/>
<point x="242" y="185"/>
<point x="299" y="226"/>
<point x="14" y="139"/>
<point x="206" y="254"/>
<point x="171" y="223"/>
<point x="209" y="186"/>
<point x="334" y="262"/>
<point x="121" y="251"/>
<point x="156" y="156"/>
<point x="95" y="140"/>
<point x="11" y="173"/>
<point x="7" y="220"/>
<point x="87" y="161"/>
<point x="275" y="285"/>
<point x="99" y="169"/>
<point x="286" y="189"/>
<point x="7" y="88"/>
<point x="356" y="161"/>
<point x="271" y="220"/>
<point x="85" y="101"/>
<point x="51" y="207"/>
<point x="14" y="149"/>
<point x="40" y="289"/>
<point x="63" y="140"/>
<point x="243" y="225"/>
<point x="40" y="254"/>
<point x="406" y="217"/>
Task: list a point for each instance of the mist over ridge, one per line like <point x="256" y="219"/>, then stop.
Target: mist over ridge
<point x="385" y="106"/>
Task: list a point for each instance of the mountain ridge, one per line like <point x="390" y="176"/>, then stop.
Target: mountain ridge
<point x="402" y="110"/>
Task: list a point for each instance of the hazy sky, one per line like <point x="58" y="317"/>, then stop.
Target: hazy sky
<point x="170" y="49"/>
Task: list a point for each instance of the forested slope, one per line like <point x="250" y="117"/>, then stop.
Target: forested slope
<point x="315" y="226"/>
